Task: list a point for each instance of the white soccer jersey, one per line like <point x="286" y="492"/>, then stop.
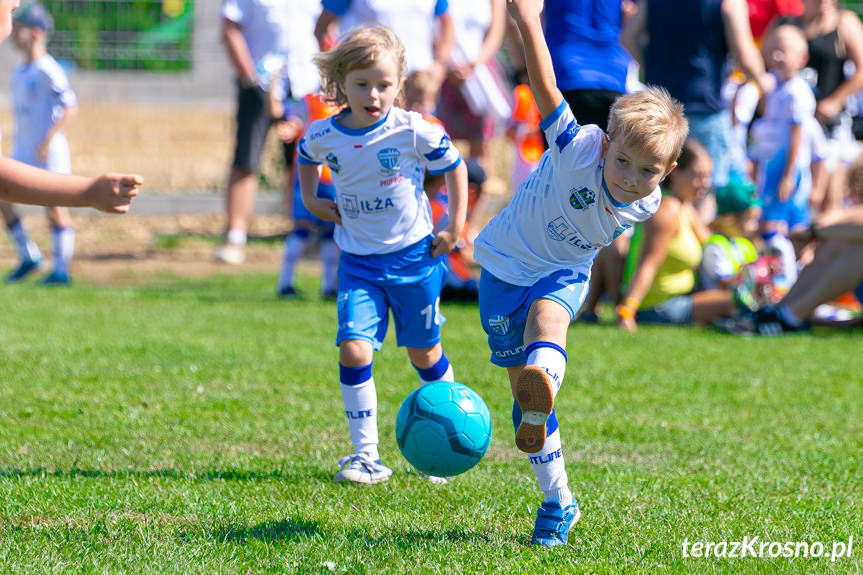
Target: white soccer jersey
<point x="791" y="103"/>
<point x="563" y="213"/>
<point x="40" y="96"/>
<point x="263" y="24"/>
<point x="378" y="175"/>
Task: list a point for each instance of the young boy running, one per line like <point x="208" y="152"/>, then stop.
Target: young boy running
<point x="537" y="253"/>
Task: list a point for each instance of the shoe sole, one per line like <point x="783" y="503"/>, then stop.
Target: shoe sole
<point x="364" y="480"/>
<point x="535" y="398"/>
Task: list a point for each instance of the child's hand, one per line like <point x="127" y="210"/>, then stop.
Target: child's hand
<point x="443" y="243"/>
<point x="325" y="209"/>
<point x="113" y="192"/>
<point x="522" y="10"/>
<point x="785" y="189"/>
<point x="288" y="131"/>
<point x="627" y="323"/>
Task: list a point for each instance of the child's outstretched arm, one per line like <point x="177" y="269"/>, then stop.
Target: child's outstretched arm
<point x="456" y="186"/>
<point x="23" y="184"/>
<point x="325" y="209"/>
<point x="543" y="83"/>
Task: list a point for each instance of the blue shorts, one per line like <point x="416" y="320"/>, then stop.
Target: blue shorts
<point x="503" y="309"/>
<point x="408" y="281"/>
<point x="713" y="131"/>
<point x="795" y="211"/>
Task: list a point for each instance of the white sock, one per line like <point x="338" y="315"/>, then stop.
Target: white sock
<point x="441" y="371"/>
<point x="551" y="358"/>
<point x="26" y="248"/>
<point x="237" y="237"/>
<point x="294" y="246"/>
<point x="330" y="263"/>
<point x="63" y="242"/>
<point x="361" y="409"/>
<point x="548" y="466"/>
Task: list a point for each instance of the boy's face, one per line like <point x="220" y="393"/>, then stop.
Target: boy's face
<point x="23" y="37"/>
<point x="371" y="92"/>
<point x="787" y="57"/>
<point x="631" y="173"/>
<point x="6" y="8"/>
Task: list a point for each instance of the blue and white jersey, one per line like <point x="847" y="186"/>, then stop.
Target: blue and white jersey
<point x="40" y="96"/>
<point x="378" y="175"/>
<point x="562" y="213"/>
<point x="791" y="103"/>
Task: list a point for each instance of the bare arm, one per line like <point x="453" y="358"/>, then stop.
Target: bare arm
<point x="238" y="52"/>
<point x="494" y="35"/>
<point x="658" y="233"/>
<point x="846" y="225"/>
<point x="537" y="58"/>
<point x="456" y="187"/>
<point x="23" y="184"/>
<point x="325" y="30"/>
<point x="634" y="29"/>
<point x="851" y="34"/>
<point x="325" y="209"/>
<point x="738" y="36"/>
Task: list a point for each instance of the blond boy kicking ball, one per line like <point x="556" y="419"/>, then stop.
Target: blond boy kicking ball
<point x="537" y="253"/>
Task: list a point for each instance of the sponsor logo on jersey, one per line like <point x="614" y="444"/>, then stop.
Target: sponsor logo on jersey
<point x="581" y="199"/>
<point x="499" y="324"/>
<point x="333" y="163"/>
<point x="352" y="206"/>
<point x="559" y="231"/>
<point x="315" y="135"/>
<point x="389" y="160"/>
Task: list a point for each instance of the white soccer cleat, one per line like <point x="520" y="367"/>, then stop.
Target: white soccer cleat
<point x="436" y="480"/>
<point x="360" y="468"/>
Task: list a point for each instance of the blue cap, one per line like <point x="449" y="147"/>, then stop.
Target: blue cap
<point x="34" y="16"/>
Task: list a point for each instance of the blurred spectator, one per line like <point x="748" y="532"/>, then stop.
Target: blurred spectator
<point x="835" y="41"/>
<point x="473" y="99"/>
<point x="684" y="46"/>
<point x="666" y="253"/>
<point x="525" y="134"/>
<point x="424" y="26"/>
<point x="762" y="13"/>
<point x="255" y="36"/>
<point x="783" y="147"/>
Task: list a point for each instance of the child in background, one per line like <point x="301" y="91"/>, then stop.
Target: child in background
<point x="783" y="148"/>
<point x="291" y="117"/>
<point x="537" y="253"/>
<point x="25" y="184"/>
<point x="378" y="154"/>
<point x="43" y="102"/>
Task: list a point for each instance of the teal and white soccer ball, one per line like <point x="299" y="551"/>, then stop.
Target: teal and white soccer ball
<point x="443" y="428"/>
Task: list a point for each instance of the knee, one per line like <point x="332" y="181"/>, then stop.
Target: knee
<point x="355" y="353"/>
<point x="426" y="357"/>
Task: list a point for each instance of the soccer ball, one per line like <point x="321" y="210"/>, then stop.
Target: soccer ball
<point x="443" y="428"/>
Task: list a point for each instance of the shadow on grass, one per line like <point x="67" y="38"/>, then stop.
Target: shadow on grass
<point x="205" y="475"/>
<point x="285" y="530"/>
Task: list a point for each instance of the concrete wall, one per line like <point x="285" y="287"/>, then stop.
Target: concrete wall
<point x="209" y="83"/>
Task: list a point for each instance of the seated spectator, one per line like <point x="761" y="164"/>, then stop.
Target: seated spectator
<point x="666" y="253"/>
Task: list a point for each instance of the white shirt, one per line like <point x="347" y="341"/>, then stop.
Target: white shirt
<point x="263" y="24"/>
<point x="413" y="21"/>
<point x="40" y="96"/>
<point x="563" y="213"/>
<point x="378" y="175"/>
<point x="471" y="20"/>
<point x="791" y="103"/>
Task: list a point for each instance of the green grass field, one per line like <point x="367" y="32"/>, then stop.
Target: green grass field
<point x="194" y="427"/>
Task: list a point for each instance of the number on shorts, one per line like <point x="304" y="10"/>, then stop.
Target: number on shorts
<point x="432" y="315"/>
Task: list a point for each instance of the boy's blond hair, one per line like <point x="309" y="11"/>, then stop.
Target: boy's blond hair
<point x="420" y="82"/>
<point x="651" y="119"/>
<point x="360" y="48"/>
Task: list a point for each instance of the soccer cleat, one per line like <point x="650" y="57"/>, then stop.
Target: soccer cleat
<point x="553" y="523"/>
<point x="22" y="271"/>
<point x="535" y="398"/>
<point x="55" y="278"/>
<point x="434" y="479"/>
<point x="768" y="323"/>
<point x="289" y="292"/>
<point x="233" y="254"/>
<point x="360" y="468"/>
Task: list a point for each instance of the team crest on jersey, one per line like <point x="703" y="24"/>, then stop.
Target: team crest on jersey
<point x="499" y="324"/>
<point x="333" y="163"/>
<point x="389" y="159"/>
<point x="581" y="199"/>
